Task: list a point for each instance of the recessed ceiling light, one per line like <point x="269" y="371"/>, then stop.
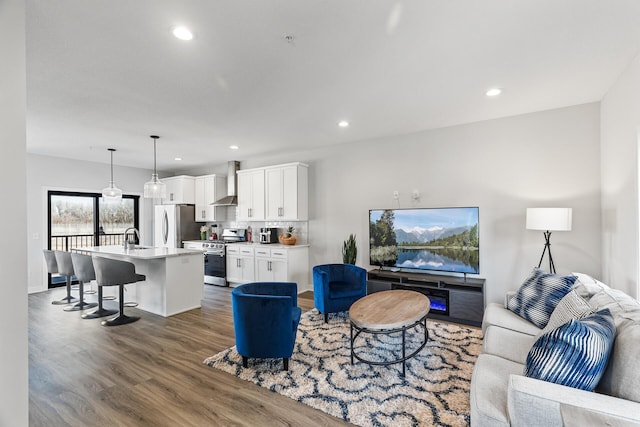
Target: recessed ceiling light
<point x="343" y="123"/>
<point x="233" y="147"/>
<point x="177" y="159"/>
<point x="182" y="33"/>
<point x="493" y="91"/>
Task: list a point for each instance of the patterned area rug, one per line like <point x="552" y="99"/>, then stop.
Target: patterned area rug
<point x="435" y="390"/>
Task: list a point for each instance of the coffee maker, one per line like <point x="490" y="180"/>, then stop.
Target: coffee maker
<point x="268" y="235"/>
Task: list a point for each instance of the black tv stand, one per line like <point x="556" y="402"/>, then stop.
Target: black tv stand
<point x="453" y="298"/>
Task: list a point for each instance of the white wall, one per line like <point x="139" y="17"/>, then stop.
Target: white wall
<point x="52" y="173"/>
<point x="503" y="166"/>
<point x="620" y="119"/>
<point x="14" y="404"/>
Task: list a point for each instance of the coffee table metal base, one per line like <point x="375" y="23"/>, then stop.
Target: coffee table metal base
<point x="404" y="329"/>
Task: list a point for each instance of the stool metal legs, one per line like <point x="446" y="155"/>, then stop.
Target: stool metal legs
<point x="121" y="318"/>
<point x="68" y="299"/>
<point x="101" y="311"/>
<point x="81" y="305"/>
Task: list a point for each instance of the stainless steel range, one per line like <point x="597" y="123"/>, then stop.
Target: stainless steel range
<point x="215" y="264"/>
<point x="215" y="256"/>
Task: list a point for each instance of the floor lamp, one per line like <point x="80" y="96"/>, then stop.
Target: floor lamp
<point x="548" y="220"/>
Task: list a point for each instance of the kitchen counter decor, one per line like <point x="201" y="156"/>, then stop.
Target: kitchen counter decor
<point x="288" y="238"/>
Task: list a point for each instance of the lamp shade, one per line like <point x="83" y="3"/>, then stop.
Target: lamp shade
<point x="112" y="192"/>
<point x="155" y="189"/>
<point x="549" y="219"/>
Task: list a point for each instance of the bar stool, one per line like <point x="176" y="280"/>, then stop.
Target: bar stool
<point x="87" y="265"/>
<point x="65" y="267"/>
<point x="83" y="270"/>
<point x="52" y="268"/>
<point x="112" y="272"/>
<point x="52" y="259"/>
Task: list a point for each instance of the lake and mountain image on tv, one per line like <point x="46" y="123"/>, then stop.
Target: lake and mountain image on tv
<point x="440" y="239"/>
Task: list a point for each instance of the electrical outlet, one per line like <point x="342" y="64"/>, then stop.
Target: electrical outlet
<point x="396" y="195"/>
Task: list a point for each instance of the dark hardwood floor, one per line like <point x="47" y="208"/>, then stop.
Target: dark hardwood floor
<point x="148" y="373"/>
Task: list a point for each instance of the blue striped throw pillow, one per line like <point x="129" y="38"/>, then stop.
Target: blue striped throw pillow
<point x="538" y="296"/>
<point x="574" y="354"/>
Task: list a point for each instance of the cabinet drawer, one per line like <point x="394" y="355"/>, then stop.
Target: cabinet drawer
<point x="234" y="250"/>
<point x="245" y="250"/>
<point x="279" y="253"/>
<point x="263" y="252"/>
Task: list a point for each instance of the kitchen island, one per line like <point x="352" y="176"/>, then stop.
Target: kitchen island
<point x="173" y="276"/>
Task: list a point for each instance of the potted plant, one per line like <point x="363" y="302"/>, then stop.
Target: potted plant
<point x="350" y="250"/>
<point x="287" y="238"/>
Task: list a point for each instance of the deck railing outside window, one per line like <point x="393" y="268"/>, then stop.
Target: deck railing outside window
<point x="73" y="241"/>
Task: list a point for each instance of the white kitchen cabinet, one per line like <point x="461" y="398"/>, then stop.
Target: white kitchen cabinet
<point x="271" y="265"/>
<point x="180" y="190"/>
<point x="251" y="195"/>
<point x="287" y="192"/>
<point x="240" y="263"/>
<point x="208" y="189"/>
<point x="279" y="263"/>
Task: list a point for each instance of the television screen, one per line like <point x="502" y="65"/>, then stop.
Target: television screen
<point x="440" y="239"/>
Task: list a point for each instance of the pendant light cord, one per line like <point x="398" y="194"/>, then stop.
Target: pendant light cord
<point x="111" y="150"/>
<point x="155" y="140"/>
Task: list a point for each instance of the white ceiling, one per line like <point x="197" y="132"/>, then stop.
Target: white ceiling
<point x="108" y="73"/>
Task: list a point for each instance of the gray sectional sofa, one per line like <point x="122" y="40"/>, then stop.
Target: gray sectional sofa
<point x="501" y="395"/>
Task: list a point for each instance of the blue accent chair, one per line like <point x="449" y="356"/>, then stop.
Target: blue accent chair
<point x="265" y="320"/>
<point x="337" y="286"/>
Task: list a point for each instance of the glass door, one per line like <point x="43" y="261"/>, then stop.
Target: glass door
<point x="77" y="220"/>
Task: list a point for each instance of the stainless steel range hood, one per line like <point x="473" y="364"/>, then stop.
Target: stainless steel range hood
<point x="231" y="199"/>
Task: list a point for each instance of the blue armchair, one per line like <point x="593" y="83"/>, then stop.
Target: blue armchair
<point x="337" y="286"/>
<point x="265" y="320"/>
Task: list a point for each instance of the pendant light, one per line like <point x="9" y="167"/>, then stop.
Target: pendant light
<point x="112" y="192"/>
<point x="155" y="189"/>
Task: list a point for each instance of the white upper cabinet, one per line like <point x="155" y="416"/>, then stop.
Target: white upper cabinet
<point x="180" y="190"/>
<point x="287" y="196"/>
<point x="251" y="195"/>
<point x="208" y="189"/>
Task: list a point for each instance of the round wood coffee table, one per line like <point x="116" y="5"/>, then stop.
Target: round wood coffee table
<point x="388" y="312"/>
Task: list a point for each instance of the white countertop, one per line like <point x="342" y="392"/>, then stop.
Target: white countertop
<point x="142" y="253"/>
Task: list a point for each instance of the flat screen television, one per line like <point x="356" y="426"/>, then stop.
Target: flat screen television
<point x="425" y="239"/>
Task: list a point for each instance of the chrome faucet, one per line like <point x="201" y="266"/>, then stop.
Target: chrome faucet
<point x="131" y="244"/>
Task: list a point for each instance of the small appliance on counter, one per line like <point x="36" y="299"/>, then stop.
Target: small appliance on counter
<point x="230" y="235"/>
<point x="269" y="235"/>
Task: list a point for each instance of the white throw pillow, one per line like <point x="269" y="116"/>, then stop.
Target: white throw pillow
<point x="590" y="285"/>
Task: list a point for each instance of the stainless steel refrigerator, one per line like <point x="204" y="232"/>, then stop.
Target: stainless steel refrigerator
<point x="174" y="224"/>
